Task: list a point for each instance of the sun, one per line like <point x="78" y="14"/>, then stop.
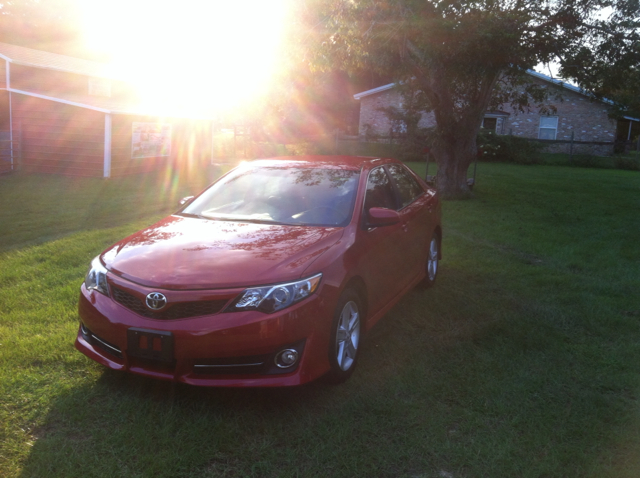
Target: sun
<point x="210" y="54"/>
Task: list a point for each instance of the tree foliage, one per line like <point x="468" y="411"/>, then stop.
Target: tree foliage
<point x="458" y="58"/>
<point x="50" y="25"/>
<point x="608" y="62"/>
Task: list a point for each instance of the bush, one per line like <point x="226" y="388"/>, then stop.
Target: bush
<point x="631" y="164"/>
<point x="508" y="149"/>
<point x="590" y="161"/>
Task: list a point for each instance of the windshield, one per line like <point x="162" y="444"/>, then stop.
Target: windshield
<point x="295" y="196"/>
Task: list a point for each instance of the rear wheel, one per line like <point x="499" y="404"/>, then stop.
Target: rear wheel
<point x="346" y="334"/>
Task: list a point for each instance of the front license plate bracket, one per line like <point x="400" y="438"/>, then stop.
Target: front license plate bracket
<point x="150" y="344"/>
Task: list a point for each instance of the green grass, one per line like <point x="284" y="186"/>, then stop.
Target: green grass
<point x="630" y="162"/>
<point x="523" y="361"/>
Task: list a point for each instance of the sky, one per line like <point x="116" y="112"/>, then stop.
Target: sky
<point x="221" y="54"/>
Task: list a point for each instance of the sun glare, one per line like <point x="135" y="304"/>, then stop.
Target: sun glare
<point x="190" y="55"/>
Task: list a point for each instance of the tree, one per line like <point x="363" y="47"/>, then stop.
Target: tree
<point x="463" y="56"/>
<point x="608" y="64"/>
<point x="50" y="25"/>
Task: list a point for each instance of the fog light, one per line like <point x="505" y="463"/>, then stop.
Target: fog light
<point x="286" y="358"/>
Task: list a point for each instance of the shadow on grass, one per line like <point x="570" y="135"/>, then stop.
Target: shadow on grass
<point x="445" y="387"/>
<point x="523" y="361"/>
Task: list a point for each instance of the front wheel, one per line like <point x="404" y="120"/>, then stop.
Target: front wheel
<point x="431" y="266"/>
<point x="345" y="337"/>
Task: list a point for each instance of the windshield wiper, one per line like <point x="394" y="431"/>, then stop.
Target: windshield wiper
<point x="246" y="219"/>
<point x="188" y="214"/>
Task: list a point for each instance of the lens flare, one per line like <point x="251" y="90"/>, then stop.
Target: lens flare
<point x="190" y="56"/>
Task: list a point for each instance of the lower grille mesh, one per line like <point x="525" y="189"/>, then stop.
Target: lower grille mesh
<point x="96" y="341"/>
<point x="179" y="310"/>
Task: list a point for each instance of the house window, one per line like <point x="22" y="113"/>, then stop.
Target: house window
<point x="548" y="127"/>
<point x="490" y="123"/>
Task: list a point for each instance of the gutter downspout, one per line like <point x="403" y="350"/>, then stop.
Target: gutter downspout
<point x="107" y="146"/>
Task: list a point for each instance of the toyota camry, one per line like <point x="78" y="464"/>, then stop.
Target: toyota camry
<point x="269" y="277"/>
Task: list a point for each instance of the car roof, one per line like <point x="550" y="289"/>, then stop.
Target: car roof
<point x="354" y="163"/>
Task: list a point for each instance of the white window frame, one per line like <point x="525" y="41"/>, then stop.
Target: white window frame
<point x="548" y="127"/>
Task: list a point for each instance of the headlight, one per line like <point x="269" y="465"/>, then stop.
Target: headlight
<point x="275" y="297"/>
<point x="96" y="278"/>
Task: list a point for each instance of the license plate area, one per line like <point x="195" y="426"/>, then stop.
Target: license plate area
<point x="150" y="344"/>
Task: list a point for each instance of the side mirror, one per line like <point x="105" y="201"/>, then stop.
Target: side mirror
<point x="381" y="216"/>
<point x="186" y="200"/>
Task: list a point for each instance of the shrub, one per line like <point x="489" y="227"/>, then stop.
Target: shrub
<point x="508" y="149"/>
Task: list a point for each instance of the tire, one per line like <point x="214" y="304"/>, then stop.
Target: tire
<point x="346" y="337"/>
<point x="432" y="264"/>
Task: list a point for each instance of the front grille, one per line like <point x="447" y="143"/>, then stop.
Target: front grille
<point x="247" y="365"/>
<point x="179" y="310"/>
<point x="233" y="365"/>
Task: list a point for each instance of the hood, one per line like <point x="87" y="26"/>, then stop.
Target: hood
<point x="190" y="253"/>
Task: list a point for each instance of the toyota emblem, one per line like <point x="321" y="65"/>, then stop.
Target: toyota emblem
<point x="156" y="301"/>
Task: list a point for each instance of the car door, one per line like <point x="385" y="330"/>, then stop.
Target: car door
<point x="382" y="259"/>
<point x="415" y="217"/>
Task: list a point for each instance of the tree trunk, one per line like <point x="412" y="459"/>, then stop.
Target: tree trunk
<point x="453" y="158"/>
<point x="456" y="129"/>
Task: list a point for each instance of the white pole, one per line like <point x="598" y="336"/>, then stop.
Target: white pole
<point x="107" y="146"/>
<point x="213" y="135"/>
<point x="10" y="114"/>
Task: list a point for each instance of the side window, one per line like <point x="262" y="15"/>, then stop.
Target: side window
<point x="379" y="190"/>
<point x="408" y="187"/>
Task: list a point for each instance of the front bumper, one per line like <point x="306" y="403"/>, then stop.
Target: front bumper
<point x="234" y="349"/>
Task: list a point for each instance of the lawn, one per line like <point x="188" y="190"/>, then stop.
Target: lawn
<point x="523" y="361"/>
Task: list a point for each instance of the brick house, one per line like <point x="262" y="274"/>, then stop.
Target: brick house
<point x="578" y="117"/>
<point x="65" y="115"/>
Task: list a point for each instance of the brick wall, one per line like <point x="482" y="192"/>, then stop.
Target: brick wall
<point x="380" y="124"/>
<point x="588" y="120"/>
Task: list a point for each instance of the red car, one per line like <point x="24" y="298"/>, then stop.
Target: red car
<point x="270" y="277"/>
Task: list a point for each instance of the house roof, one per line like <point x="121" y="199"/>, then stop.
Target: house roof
<point x="115" y="106"/>
<point x="373" y="91"/>
<point x="535" y="74"/>
<point x="52" y="61"/>
<point x="42" y="59"/>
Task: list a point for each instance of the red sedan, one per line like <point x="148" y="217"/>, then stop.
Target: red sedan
<point x="270" y="277"/>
